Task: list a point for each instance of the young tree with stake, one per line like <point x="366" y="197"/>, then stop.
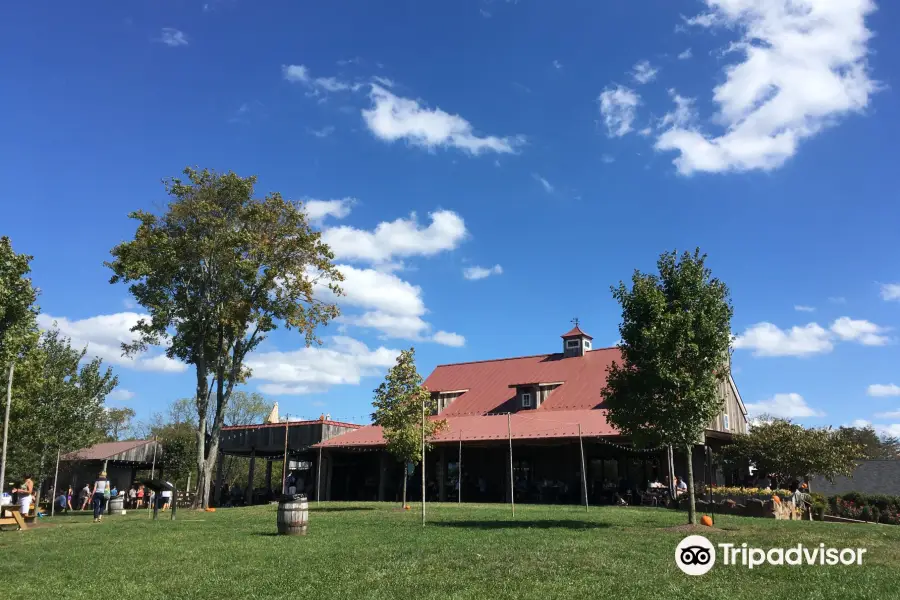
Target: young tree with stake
<point x="399" y="403"/>
<point x="676" y="335"/>
<point x="217" y="272"/>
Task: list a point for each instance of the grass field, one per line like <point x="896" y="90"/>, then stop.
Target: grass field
<point x="474" y="551"/>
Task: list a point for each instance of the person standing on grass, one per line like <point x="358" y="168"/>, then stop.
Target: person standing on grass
<point x="140" y="496"/>
<point x="85" y="496"/>
<point x="99" y="495"/>
<point x="69" y="493"/>
<point x="132" y="497"/>
<point x="25" y="495"/>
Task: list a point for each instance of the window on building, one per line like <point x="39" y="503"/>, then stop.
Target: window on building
<point x="587" y="344"/>
<point x="573" y="343"/>
<point x="526" y="400"/>
<point x="726" y="422"/>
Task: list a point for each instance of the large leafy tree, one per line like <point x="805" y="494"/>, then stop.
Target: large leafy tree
<point x="675" y="331"/>
<point x="217" y="272"/>
<point x="875" y="447"/>
<point x="59" y="406"/>
<point x="399" y="404"/>
<point x="788" y="451"/>
<point x="118" y="422"/>
<point x="18" y="326"/>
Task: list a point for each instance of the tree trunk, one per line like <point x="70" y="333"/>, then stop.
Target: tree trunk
<point x="405" y="478"/>
<point x="692" y="506"/>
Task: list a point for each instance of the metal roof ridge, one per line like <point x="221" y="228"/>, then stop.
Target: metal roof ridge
<point x="474" y="362"/>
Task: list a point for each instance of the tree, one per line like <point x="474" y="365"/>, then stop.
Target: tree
<point x="18" y="326"/>
<point x="216" y="273"/>
<point x="875" y="447"/>
<point x="60" y="403"/>
<point x="118" y="422"/>
<point x="676" y="331"/>
<point x="788" y="451"/>
<point x="399" y="404"/>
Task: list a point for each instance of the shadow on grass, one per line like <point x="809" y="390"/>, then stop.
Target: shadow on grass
<point x="338" y="508"/>
<point x="524" y="524"/>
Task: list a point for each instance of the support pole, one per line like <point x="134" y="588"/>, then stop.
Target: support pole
<point x="423" y="462"/>
<point x="319" y="477"/>
<point x="512" y="491"/>
<point x="9" y="382"/>
<point x="583" y="470"/>
<point x="55" y="478"/>
<point x="248" y="494"/>
<point x="459" y="472"/>
<point x="284" y="469"/>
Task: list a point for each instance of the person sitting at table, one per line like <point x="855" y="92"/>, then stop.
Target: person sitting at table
<point x="680" y="486"/>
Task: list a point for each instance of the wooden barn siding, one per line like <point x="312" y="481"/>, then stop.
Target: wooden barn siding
<point x="141" y="454"/>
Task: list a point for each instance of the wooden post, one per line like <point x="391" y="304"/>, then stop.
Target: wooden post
<point x="9" y="382"/>
<point x="269" y="477"/>
<point x="248" y="493"/>
<point x="442" y="475"/>
<point x="583" y="470"/>
<point x="512" y="489"/>
<point x="153" y="464"/>
<point x="284" y="465"/>
<point x="220" y="473"/>
<point x="423" y="462"/>
<point x="319" y="477"/>
<point x="55" y="478"/>
<point x="670" y="458"/>
<point x="459" y="472"/>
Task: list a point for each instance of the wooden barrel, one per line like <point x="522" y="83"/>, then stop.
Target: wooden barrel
<point x="293" y="515"/>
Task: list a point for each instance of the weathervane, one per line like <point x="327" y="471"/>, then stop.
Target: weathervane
<point x="575" y="321"/>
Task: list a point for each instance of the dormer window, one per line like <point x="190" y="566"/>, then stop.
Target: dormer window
<point x="526" y="400"/>
<point x="573" y="344"/>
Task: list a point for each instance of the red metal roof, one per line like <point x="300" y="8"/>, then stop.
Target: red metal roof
<point x="576" y="332"/>
<point x="474" y="414"/>
<point x="104" y="451"/>
<point x="488" y="381"/>
<point x="530" y="424"/>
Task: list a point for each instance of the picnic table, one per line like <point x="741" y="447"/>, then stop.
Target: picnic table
<point x="12" y="515"/>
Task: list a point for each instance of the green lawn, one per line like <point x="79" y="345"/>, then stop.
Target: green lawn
<point x="475" y="551"/>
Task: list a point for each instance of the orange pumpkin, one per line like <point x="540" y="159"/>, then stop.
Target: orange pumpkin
<point x="210" y="509"/>
<point x="706" y="520"/>
<point x="406" y="507"/>
<point x="776" y="499"/>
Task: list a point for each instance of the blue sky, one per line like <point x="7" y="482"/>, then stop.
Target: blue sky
<point x="485" y="171"/>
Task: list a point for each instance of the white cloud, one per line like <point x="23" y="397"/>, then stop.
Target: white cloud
<point x="643" y="72"/>
<point x="894" y="414"/>
<point x="323" y="132"/>
<point x="617" y="107"/>
<point x="557" y="65"/>
<point x="408" y="327"/>
<point x="766" y="339"/>
<point x="802" y="66"/>
<point x="399" y="238"/>
<point x="120" y="395"/>
<point x="685" y="55"/>
<point x="318" y="210"/>
<point x="104" y="334"/>
<point x="449" y="339"/>
<point x="301" y="74"/>
<point x="295" y="73"/>
<point x="804" y="308"/>
<point x="378" y="291"/>
<point x="881" y="390"/>
<point x="383" y="81"/>
<point x="857" y="330"/>
<point x="476" y="273"/>
<point x="173" y="37"/>
<point x="548" y="187"/>
<point x="785" y="406"/>
<point x="393" y="118"/>
<point x="890" y="291"/>
<point x="608" y="159"/>
<point x="880" y="429"/>
<point x="345" y="361"/>
<point x="683" y="115"/>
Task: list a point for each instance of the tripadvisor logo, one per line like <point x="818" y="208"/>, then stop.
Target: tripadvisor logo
<point x="696" y="555"/>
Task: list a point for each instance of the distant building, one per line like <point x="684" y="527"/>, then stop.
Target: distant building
<point x="539" y="402"/>
<point x="870" y="477"/>
<point x="121" y="460"/>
